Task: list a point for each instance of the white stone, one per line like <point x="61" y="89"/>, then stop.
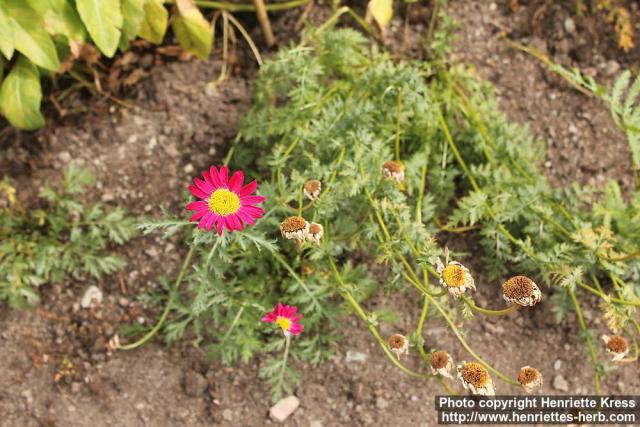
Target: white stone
<point x="284" y="408"/>
<point x="355" y="356"/>
<point x="92" y="296"/>
<point x="559" y="383"/>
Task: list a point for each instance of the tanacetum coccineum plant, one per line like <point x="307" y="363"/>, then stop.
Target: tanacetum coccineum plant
<point x="398" y="155"/>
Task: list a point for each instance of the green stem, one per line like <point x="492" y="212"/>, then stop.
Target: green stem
<point x="284" y="358"/>
<point x="489" y="312"/>
<point x="398" y="114"/>
<point x="423" y="184"/>
<point x="167" y="307"/>
<point x="607" y="297"/>
<point x="592" y="350"/>
<point x="297" y="278"/>
<point x="232" y="7"/>
<point x="344" y="292"/>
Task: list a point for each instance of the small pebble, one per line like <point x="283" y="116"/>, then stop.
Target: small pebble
<point x="355" y="356"/>
<point x="284" y="408"/>
<point x="92" y="297"/>
<point x="559" y="383"/>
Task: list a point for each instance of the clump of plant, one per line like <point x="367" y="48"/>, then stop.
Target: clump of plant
<point x="366" y="161"/>
<point x="59" y="235"/>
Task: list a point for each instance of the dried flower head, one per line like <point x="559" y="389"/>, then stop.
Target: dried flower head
<point x="441" y="363"/>
<point x="294" y="228"/>
<point x="113" y="344"/>
<point x="225" y="203"/>
<point x="617" y="346"/>
<point x="530" y="378"/>
<point x="316" y="231"/>
<point x="398" y="344"/>
<point x="475" y="377"/>
<point x="393" y="170"/>
<point x="522" y="291"/>
<point x="285" y="317"/>
<point x="454" y="276"/>
<point x="312" y="188"/>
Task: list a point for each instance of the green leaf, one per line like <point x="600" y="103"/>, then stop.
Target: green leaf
<point x="20" y="96"/>
<point x="155" y="21"/>
<point x="7" y="44"/>
<point x="382" y="11"/>
<point x="103" y="20"/>
<point x="191" y="29"/>
<point x="30" y="36"/>
<point x="62" y="18"/>
<point x="132" y="17"/>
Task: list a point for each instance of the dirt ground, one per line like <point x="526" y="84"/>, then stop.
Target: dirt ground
<point x="143" y="158"/>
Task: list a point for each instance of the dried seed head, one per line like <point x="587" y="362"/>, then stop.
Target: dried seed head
<point x="530" y="378"/>
<point x="398" y="344"/>
<point x="316" y="231"/>
<point x="617" y="344"/>
<point x="295" y="228"/>
<point x="475" y="374"/>
<point x="393" y="170"/>
<point x="455" y="277"/>
<point x="522" y="291"/>
<point x="439" y="359"/>
<point x="113" y="344"/>
<point x="312" y="189"/>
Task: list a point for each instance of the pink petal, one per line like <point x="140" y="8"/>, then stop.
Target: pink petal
<point x="215" y="178"/>
<point x="203" y="185"/>
<point x="204" y="220"/>
<point x="249" y="188"/>
<point x="197" y="192"/>
<point x="236" y="222"/>
<point x="254" y="211"/>
<point x="199" y="205"/>
<point x="292" y="311"/>
<point x="235" y="184"/>
<point x="246" y="217"/>
<point x="219" y="227"/>
<point x="207" y="178"/>
<point x="270" y="318"/>
<point x="196" y="216"/>
<point x="296" y="328"/>
<point x="212" y="220"/>
<point x="296" y="318"/>
<point x="278" y="309"/>
<point x="224" y="177"/>
<point x="250" y="200"/>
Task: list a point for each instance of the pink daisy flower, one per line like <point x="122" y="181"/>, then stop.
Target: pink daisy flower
<point x="285" y="317"/>
<point x="224" y="202"/>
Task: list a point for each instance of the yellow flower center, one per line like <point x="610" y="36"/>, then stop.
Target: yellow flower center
<point x="224" y="202"/>
<point x="454" y="275"/>
<point x="284" y="323"/>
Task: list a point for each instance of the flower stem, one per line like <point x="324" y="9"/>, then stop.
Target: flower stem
<point x="284" y="358"/>
<point x="398" y="116"/>
<point x="587" y="337"/>
<point x="167" y="307"/>
<point x="489" y="312"/>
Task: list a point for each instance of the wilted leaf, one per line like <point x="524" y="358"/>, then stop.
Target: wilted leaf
<point x="20" y="96"/>
<point x="382" y="11"/>
<point x="103" y="20"/>
<point x="30" y="36"/>
<point x="154" y="24"/>
<point x="191" y="29"/>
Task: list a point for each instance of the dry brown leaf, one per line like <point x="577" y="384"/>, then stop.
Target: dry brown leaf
<point x="134" y="77"/>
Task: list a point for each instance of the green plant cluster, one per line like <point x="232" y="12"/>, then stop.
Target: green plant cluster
<point x="334" y="108"/>
<point x="38" y="36"/>
<point x="61" y="236"/>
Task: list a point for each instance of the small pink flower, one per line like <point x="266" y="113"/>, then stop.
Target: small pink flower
<point x="224" y="202"/>
<point x="285" y="317"/>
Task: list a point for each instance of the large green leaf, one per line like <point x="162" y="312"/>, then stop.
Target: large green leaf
<point x="30" y="36"/>
<point x="103" y="19"/>
<point x="62" y="18"/>
<point x="155" y="21"/>
<point x="20" y="96"/>
<point x="7" y="44"/>
<point x="191" y="29"/>
<point x="132" y="17"/>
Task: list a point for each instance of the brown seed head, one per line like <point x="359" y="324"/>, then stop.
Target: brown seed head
<point x="528" y="375"/>
<point x="312" y="186"/>
<point x="393" y="166"/>
<point x="397" y="341"/>
<point x="315" y="228"/>
<point x="518" y="287"/>
<point x="617" y="344"/>
<point x="292" y="224"/>
<point x="439" y="359"/>
<point x="475" y="374"/>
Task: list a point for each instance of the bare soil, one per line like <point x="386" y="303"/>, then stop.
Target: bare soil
<point x="144" y="156"/>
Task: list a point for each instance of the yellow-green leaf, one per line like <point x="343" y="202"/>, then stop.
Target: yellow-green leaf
<point x="30" y="36"/>
<point x="191" y="29"/>
<point x="20" y="96"/>
<point x="62" y="18"/>
<point x="132" y="16"/>
<point x="7" y="44"/>
<point x="103" y="19"/>
<point x="155" y="21"/>
<point x="382" y="11"/>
